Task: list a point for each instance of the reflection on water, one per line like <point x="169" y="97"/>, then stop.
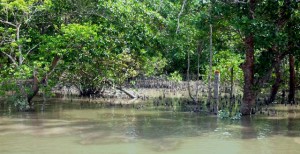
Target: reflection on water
<point x="247" y="130"/>
<point x="66" y="128"/>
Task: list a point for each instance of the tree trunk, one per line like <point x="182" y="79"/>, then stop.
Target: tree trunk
<point x="248" y="69"/>
<point x="231" y="82"/>
<point x="216" y="92"/>
<point x="19" y="46"/>
<point x="292" y="83"/>
<point x="198" y="68"/>
<point x="36" y="83"/>
<point x="276" y="85"/>
<point x="131" y="95"/>
<point x="199" y="49"/>
<point x="188" y="78"/>
<point x="284" y="17"/>
<point x="217" y="85"/>
<point x="210" y="64"/>
<point x="35" y="90"/>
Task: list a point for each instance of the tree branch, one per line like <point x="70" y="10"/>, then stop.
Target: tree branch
<point x="235" y="1"/>
<point x="240" y="2"/>
<point x="131" y="95"/>
<point x="265" y="78"/>
<point x="11" y="58"/>
<point x="178" y="20"/>
<point x="8" y="23"/>
<point x="30" y="51"/>
<point x="53" y="65"/>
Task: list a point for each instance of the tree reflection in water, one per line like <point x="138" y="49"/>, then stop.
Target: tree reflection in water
<point x="247" y="130"/>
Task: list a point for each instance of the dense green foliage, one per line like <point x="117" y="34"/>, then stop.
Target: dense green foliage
<point x="92" y="43"/>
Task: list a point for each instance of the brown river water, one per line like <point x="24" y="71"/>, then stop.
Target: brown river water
<point x="71" y="128"/>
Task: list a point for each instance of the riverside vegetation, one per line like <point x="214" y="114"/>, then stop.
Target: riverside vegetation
<point x="95" y="45"/>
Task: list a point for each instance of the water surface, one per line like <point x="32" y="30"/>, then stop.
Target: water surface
<point x="76" y="128"/>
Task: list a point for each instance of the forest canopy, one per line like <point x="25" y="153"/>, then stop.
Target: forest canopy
<point x="91" y="43"/>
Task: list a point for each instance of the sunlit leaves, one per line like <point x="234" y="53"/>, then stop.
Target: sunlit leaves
<point x="226" y="60"/>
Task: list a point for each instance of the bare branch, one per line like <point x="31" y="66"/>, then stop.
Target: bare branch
<point x="11" y="58"/>
<point x="237" y="1"/>
<point x="54" y="64"/>
<point x="19" y="46"/>
<point x="30" y="51"/>
<point x="8" y="23"/>
<point x="180" y="13"/>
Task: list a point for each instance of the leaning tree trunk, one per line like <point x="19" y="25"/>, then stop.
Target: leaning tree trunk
<point x="36" y="83"/>
<point x="284" y="17"/>
<point x="292" y="83"/>
<point x="128" y="93"/>
<point x="35" y="89"/>
<point x="248" y="68"/>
